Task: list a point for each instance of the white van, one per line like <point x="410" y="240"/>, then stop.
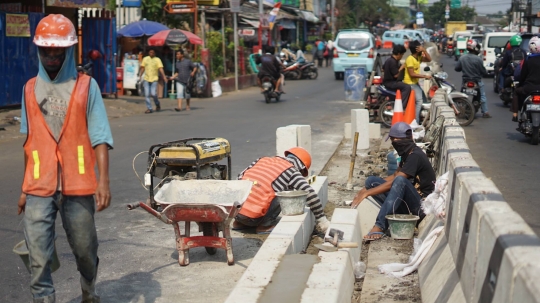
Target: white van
<point x="492" y="41"/>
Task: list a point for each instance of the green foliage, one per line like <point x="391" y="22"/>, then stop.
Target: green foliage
<point x="153" y="10"/>
<point x="309" y="48"/>
<point x="435" y="13"/>
<point x="214" y="43"/>
<point x="111" y="5"/>
<point x="367" y="11"/>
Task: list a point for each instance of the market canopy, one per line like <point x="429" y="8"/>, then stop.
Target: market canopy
<point x="141" y="28"/>
<point x="173" y="37"/>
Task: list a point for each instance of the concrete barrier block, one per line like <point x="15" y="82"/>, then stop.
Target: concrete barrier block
<point x="498" y="220"/>
<point x="311" y="295"/>
<point x="245" y="295"/>
<point x="374" y="131"/>
<point x="303" y="135"/>
<point x="290" y="230"/>
<point x="333" y="273"/>
<point x="285" y="139"/>
<point x="519" y="273"/>
<point x="439" y="281"/>
<point x="360" y="124"/>
<point x="273" y="249"/>
<point x="347" y="131"/>
<point x="429" y="223"/>
<point x="258" y="274"/>
<point x="367" y="213"/>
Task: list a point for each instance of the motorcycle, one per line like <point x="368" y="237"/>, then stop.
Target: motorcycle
<point x="506" y="93"/>
<point x="529" y="117"/>
<point x="449" y="50"/>
<point x="308" y="70"/>
<point x="291" y="71"/>
<point x="269" y="90"/>
<point x="472" y="90"/>
<point x="378" y="95"/>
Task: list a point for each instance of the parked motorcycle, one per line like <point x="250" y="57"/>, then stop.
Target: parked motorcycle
<point x="291" y="71"/>
<point x="378" y="94"/>
<point x="308" y="70"/>
<point x="529" y="117"/>
<point x="269" y="90"/>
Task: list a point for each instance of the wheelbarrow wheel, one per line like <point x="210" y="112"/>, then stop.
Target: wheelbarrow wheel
<point x="210" y="230"/>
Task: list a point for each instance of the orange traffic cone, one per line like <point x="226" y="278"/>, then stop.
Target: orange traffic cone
<point x="410" y="111"/>
<point x="398" y="109"/>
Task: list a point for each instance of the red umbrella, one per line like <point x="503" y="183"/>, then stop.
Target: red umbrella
<point x="172" y="37"/>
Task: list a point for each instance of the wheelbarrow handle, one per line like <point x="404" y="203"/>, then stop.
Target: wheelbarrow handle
<point x="156" y="214"/>
<point x="235" y="209"/>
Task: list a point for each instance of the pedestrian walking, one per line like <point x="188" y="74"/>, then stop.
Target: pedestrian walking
<point x="152" y="67"/>
<point x="67" y="130"/>
<point x="185" y="69"/>
<point x="320" y="52"/>
<point x="329" y="53"/>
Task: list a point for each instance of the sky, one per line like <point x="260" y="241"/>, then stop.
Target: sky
<point x="486" y="6"/>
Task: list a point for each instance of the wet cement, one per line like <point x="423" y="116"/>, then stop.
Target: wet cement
<point x="289" y="280"/>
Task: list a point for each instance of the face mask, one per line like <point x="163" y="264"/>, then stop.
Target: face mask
<point x="403" y="146"/>
<point x="51" y="62"/>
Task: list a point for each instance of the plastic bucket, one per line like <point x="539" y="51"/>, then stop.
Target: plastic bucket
<point x="172" y="96"/>
<point x="292" y="202"/>
<point x="22" y="250"/>
<point x="402" y="226"/>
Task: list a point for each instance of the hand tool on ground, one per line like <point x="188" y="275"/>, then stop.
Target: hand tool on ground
<point x="353" y="159"/>
<point x="334" y="236"/>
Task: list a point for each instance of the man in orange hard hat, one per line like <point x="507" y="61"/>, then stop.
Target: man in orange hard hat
<point x="68" y="133"/>
<point x="271" y="175"/>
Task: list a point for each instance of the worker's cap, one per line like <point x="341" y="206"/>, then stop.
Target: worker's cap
<point x="400" y="130"/>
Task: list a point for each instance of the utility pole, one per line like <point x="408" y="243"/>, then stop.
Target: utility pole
<point x="333" y="19"/>
<point x="261" y="16"/>
<point x="528" y="13"/>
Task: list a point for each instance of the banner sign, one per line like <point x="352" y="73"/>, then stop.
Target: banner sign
<point x="11" y="7"/>
<point x="17" y="25"/>
<point x="78" y="3"/>
<point x="400" y="3"/>
<point x="131" y="3"/>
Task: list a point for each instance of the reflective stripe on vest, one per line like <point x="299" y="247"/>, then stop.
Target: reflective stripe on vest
<point x="73" y="151"/>
<point x="263" y="174"/>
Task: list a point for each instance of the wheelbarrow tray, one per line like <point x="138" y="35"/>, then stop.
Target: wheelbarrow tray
<point x="210" y="203"/>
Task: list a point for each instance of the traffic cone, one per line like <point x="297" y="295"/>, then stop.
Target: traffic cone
<point x="398" y="109"/>
<point x="410" y="111"/>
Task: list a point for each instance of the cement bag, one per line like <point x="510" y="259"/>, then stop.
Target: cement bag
<point x="216" y="89"/>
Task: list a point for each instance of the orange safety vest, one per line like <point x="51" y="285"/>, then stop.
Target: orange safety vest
<point x="73" y="151"/>
<point x="263" y="174"/>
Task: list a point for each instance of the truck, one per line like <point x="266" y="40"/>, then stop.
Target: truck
<point x="454" y="26"/>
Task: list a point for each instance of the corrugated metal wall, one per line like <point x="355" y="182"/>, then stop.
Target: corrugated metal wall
<point x="18" y="61"/>
<point x="99" y="33"/>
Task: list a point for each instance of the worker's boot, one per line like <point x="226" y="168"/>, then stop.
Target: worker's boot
<point x="88" y="288"/>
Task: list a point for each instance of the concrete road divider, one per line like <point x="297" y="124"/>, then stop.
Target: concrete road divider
<point x="291" y="136"/>
<point x="488" y="253"/>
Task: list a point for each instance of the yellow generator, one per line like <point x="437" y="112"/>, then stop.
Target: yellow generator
<point x="188" y="159"/>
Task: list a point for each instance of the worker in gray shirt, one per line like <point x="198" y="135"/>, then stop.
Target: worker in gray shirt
<point x="473" y="69"/>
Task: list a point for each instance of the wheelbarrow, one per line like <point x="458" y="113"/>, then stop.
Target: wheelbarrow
<point x="212" y="204"/>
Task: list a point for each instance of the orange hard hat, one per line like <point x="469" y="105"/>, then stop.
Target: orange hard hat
<point x="55" y="30"/>
<point x="302" y="154"/>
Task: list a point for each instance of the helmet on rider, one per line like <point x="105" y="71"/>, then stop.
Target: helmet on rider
<point x="515" y="40"/>
<point x="302" y="155"/>
<point x="473" y="46"/>
<point x="534" y="45"/>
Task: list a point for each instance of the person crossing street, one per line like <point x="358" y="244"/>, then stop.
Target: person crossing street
<point x="152" y="67"/>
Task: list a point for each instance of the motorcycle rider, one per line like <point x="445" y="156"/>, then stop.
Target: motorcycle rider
<point x="472" y="67"/>
<point x="514" y="53"/>
<point x="270" y="66"/>
<point x="393" y="73"/>
<point x="529" y="80"/>
<point x="412" y="72"/>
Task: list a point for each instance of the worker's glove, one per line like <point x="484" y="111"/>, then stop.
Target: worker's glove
<point x="323" y="224"/>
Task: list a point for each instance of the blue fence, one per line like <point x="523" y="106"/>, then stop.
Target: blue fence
<point x="18" y="61"/>
<point x="99" y="33"/>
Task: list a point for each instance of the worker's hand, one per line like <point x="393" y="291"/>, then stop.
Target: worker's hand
<point x="427" y="77"/>
<point x="103" y="195"/>
<point x="22" y="204"/>
<point x="359" y="197"/>
<point x="420" y="49"/>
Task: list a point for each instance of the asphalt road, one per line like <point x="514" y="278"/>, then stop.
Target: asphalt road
<point x="137" y="252"/>
<point x="503" y="153"/>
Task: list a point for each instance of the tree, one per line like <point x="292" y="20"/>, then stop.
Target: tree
<point x="153" y="10"/>
<point x="435" y="13"/>
<point x="367" y="12"/>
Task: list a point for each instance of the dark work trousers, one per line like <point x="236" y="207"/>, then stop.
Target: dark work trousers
<point x="405" y="90"/>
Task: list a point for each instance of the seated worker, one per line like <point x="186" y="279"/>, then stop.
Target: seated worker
<point x="270" y="66"/>
<point x="393" y="73"/>
<point x="402" y="191"/>
<point x="271" y="175"/>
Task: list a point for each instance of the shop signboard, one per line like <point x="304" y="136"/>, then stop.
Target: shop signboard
<point x="180" y="7"/>
<point x="17" y="25"/>
<point x="131" y="70"/>
<point x="11" y="7"/>
<point x="78" y="3"/>
<point x="400" y="3"/>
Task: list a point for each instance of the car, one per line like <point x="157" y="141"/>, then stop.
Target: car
<point x="352" y="48"/>
<point x="415" y="35"/>
<point x="396" y="37"/>
<point x="492" y="41"/>
<point x="525" y="38"/>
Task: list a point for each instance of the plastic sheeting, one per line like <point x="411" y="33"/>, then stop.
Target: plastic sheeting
<point x="99" y="33"/>
<point x="18" y="61"/>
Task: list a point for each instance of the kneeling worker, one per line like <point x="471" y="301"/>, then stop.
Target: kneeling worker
<point x="271" y="175"/>
<point x="401" y="192"/>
